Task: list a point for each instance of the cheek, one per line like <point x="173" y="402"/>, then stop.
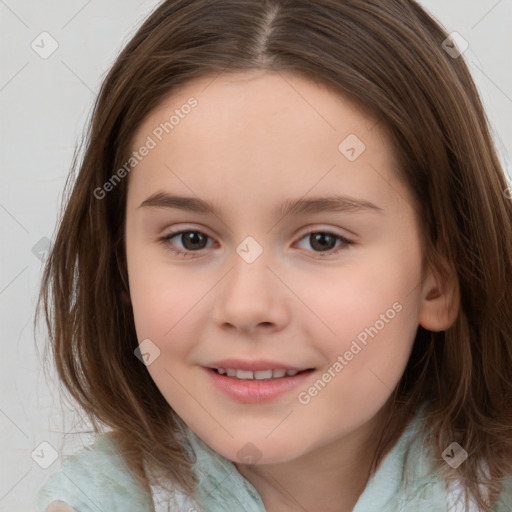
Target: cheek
<point x="366" y="358"/>
<point x="365" y="295"/>
<point x="163" y="299"/>
<point x="372" y="314"/>
<point x="165" y="312"/>
<point x="164" y="309"/>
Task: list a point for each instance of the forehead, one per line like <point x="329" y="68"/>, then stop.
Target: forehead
<point x="262" y="132"/>
<point x="240" y="98"/>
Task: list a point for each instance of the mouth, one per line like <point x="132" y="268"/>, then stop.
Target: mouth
<point x="256" y="380"/>
<point x="257" y="386"/>
<point x="270" y="374"/>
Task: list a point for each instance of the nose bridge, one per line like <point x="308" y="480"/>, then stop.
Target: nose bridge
<point x="250" y="266"/>
<point x="250" y="294"/>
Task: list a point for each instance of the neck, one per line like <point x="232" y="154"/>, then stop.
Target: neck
<point x="329" y="479"/>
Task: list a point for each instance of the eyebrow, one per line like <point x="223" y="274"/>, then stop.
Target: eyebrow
<point x="289" y="207"/>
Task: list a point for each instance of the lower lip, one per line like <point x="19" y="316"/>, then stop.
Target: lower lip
<point x="256" y="391"/>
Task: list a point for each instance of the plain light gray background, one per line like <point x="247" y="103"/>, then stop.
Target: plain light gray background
<point x="45" y="103"/>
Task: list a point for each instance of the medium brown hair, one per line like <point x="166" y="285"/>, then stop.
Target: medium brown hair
<point x="388" y="58"/>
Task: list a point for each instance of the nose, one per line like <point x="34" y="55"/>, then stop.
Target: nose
<point x="252" y="297"/>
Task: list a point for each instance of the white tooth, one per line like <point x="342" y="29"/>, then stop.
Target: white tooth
<point x="263" y="374"/>
<point x="221" y="371"/>
<point x="291" y="373"/>
<point x="244" y="374"/>
<point x="231" y="372"/>
<point x="278" y="373"/>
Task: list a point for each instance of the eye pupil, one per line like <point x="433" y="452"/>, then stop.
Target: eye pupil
<point x="320" y="239"/>
<point x="193" y="237"/>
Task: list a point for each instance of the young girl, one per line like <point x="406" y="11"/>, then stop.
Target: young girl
<point x="266" y="369"/>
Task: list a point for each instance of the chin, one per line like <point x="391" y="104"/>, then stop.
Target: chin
<point x="257" y="450"/>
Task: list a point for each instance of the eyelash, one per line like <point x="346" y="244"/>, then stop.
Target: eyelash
<point x="165" y="241"/>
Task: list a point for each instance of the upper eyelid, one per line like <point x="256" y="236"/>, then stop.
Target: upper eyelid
<point x="204" y="231"/>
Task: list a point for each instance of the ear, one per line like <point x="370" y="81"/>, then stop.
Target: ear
<point x="440" y="299"/>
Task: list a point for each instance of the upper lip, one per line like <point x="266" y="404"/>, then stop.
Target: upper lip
<point x="254" y="365"/>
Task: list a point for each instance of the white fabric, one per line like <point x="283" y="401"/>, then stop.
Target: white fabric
<point x="183" y="503"/>
<point x="455" y="496"/>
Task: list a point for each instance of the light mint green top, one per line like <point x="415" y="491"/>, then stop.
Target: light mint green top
<point x="97" y="480"/>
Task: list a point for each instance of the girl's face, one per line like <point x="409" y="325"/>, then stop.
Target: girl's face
<point x="333" y="285"/>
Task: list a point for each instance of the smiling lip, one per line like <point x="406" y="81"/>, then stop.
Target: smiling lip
<point x="256" y="365"/>
<point x="255" y="391"/>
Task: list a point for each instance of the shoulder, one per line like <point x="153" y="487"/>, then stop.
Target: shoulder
<point x="95" y="478"/>
<point x="59" y="506"/>
<point x="504" y="502"/>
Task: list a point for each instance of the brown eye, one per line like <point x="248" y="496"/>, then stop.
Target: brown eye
<point x="324" y="242"/>
<point x="191" y="241"/>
